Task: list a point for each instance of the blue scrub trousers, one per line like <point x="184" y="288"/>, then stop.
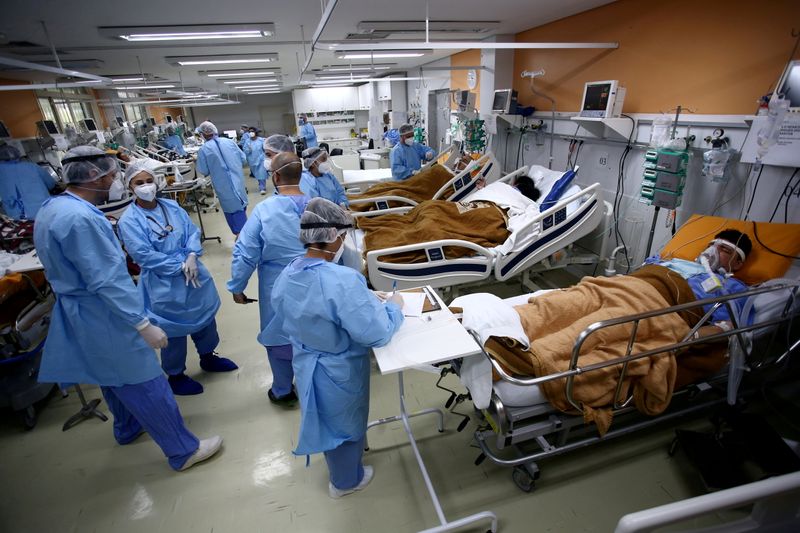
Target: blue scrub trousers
<point x="236" y="221"/>
<point x="151" y="406"/>
<point x="344" y="464"/>
<point x="280" y="360"/>
<point x="173" y="357"/>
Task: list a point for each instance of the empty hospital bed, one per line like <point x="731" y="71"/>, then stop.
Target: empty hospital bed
<point x="521" y="427"/>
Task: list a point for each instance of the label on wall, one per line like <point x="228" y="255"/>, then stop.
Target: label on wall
<point x="784" y="153"/>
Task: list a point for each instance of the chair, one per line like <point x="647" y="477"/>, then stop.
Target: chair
<point x="336" y="151"/>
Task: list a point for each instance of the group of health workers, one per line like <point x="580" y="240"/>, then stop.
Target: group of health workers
<point x="318" y="319"/>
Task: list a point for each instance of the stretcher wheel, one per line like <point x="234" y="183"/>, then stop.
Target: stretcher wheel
<point x="29" y="417"/>
<point x="522" y="479"/>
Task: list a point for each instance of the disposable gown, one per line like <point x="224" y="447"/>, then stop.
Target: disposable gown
<point x="254" y="150"/>
<point x="332" y="319"/>
<point x="221" y="159"/>
<point x="308" y="132"/>
<point x="268" y="242"/>
<point x="92" y="336"/>
<point x="406" y="159"/>
<point x="23" y="188"/>
<point x="174" y="143"/>
<point x="177" y="308"/>
<point x="324" y="186"/>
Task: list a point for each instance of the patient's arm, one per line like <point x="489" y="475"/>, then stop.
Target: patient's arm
<point x="718" y="327"/>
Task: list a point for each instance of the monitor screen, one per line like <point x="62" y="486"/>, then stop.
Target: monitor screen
<point x="151" y="121"/>
<point x="500" y="102"/>
<point x="169" y="119"/>
<point x="596" y="98"/>
<point x="89" y="124"/>
<point x="3" y="130"/>
<point x="120" y="121"/>
<point x="790" y="84"/>
<point x="50" y="127"/>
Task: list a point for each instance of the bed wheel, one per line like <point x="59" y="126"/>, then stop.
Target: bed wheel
<point x="522" y="479"/>
<point x="29" y="417"/>
<point x="480" y="459"/>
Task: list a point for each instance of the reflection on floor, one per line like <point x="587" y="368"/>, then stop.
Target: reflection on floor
<point x="81" y="480"/>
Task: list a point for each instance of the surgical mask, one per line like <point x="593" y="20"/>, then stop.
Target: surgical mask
<point x="252" y="135"/>
<point x="337" y="255"/>
<point x="301" y="122"/>
<point x="146" y="192"/>
<point x="324" y="167"/>
<point x="116" y="191"/>
<point x="268" y="163"/>
<point x="709" y="258"/>
<point x="409" y="141"/>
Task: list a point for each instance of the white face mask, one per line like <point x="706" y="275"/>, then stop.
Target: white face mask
<point x="252" y="135"/>
<point x="710" y="257"/>
<point x="324" y="167"/>
<point x="409" y="141"/>
<point x="146" y="192"/>
<point x="268" y="163"/>
<point x="116" y="191"/>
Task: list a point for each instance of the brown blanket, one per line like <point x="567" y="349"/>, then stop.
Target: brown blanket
<point x="553" y="322"/>
<point x="482" y="223"/>
<point x="420" y="187"/>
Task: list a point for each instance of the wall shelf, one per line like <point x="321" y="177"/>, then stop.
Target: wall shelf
<point x="615" y="129"/>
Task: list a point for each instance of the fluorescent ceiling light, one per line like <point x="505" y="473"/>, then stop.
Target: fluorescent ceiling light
<point x="377" y="55"/>
<point x="121" y="80"/>
<point x="240" y="73"/>
<point x="262" y="92"/>
<point x="420" y="26"/>
<point x="341" y="77"/>
<point x="374" y="49"/>
<point x="234" y="82"/>
<point x="201" y="96"/>
<point x="143" y="87"/>
<point x="354" y="68"/>
<point x="270" y="86"/>
<point x="226" y="59"/>
<point x="189" y="32"/>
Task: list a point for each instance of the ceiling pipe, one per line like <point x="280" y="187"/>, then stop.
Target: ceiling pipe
<point x="326" y="15"/>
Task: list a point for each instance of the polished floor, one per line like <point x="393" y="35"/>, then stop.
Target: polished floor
<point x="82" y="481"/>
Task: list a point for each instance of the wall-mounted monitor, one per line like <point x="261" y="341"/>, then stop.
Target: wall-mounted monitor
<point x="120" y="121"/>
<point x="465" y="100"/>
<point x="505" y="102"/>
<point x="168" y="118"/>
<point x="4" y="130"/>
<point x="602" y="99"/>
<point x="47" y="126"/>
<point x="151" y="121"/>
<point x="789" y="86"/>
<point x="88" y="124"/>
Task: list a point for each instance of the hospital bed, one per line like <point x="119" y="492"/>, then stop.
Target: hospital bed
<point x="486" y="169"/>
<point x="520" y="427"/>
<point x="537" y="236"/>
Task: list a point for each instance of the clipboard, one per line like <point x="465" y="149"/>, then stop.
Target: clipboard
<point x="431" y="303"/>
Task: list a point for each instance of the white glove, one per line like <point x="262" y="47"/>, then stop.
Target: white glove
<point x="429" y="156"/>
<point x="396" y="298"/>
<point x="154" y="336"/>
<point x="189" y="268"/>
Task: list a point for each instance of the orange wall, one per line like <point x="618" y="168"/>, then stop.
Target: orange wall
<point x="158" y="112"/>
<point x="714" y="57"/>
<point x="458" y="78"/>
<point x="19" y="110"/>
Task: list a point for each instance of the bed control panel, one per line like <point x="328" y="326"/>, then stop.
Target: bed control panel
<point x="461" y="182"/>
<point x="434" y="254"/>
<point x="555" y="219"/>
<point x="382" y="205"/>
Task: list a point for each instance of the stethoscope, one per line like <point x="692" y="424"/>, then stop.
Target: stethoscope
<point x="163" y="230"/>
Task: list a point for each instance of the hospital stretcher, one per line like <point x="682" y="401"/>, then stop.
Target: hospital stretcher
<point x="541" y="236"/>
<point x="519" y="417"/>
<point x="486" y="168"/>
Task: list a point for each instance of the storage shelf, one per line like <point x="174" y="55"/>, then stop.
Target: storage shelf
<point x="615" y="129"/>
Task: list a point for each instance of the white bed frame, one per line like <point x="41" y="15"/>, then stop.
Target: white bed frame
<point x="555" y="230"/>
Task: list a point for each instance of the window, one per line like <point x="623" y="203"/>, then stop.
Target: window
<point x="67" y="107"/>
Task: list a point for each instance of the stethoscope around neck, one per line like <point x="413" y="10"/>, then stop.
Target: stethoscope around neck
<point x="163" y="230"/>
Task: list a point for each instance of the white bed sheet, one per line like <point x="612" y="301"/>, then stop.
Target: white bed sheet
<point x="351" y="177"/>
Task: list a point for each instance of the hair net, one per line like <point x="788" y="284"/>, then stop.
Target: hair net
<point x="170" y="130"/>
<point x="392" y="136"/>
<point x="137" y="168"/>
<point x="405" y="129"/>
<point x="208" y="128"/>
<point x="80" y="162"/>
<point x="278" y="144"/>
<point x="245" y="126"/>
<point x="323" y="221"/>
<point x="310" y="155"/>
<point x="9" y="153"/>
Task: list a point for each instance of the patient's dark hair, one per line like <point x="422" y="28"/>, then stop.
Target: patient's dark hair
<point x="525" y="185"/>
<point x="738" y="238"/>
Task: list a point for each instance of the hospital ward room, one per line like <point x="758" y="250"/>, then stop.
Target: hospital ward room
<point x="368" y="266"/>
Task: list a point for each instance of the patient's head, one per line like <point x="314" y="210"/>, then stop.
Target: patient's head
<point x="729" y="250"/>
<point x="525" y="185"/>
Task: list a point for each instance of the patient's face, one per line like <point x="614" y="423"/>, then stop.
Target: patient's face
<point x="728" y="258"/>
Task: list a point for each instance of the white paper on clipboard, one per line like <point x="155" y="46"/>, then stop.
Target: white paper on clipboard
<point x="413" y="302"/>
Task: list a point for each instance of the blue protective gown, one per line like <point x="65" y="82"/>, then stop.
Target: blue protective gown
<point x="24" y="186"/>
<point x="177" y="308"/>
<point x="332" y="319"/>
<point x="308" y="133"/>
<point x="174" y="143"/>
<point x="92" y="336"/>
<point x="406" y="159"/>
<point x="254" y="150"/>
<point x="324" y="186"/>
<point x="221" y="159"/>
<point x="269" y="241"/>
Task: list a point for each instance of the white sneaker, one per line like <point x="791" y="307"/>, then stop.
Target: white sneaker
<point x="263" y="193"/>
<point x="335" y="493"/>
<point x="207" y="448"/>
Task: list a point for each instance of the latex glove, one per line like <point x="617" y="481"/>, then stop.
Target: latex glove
<point x="382" y="296"/>
<point x="190" y="271"/>
<point x="154" y="336"/>
<point x="396" y="298"/>
<point x="429" y="156"/>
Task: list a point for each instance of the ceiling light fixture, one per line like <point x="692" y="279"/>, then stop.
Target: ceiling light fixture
<point x="341" y="77"/>
<point x="375" y="49"/>
<point x="143" y="87"/>
<point x="234" y="82"/>
<point x="379" y="55"/>
<point x="355" y="68"/>
<point x="240" y="73"/>
<point x="194" y="32"/>
<point x="232" y="59"/>
<point x="270" y="86"/>
<point x="262" y="92"/>
<point x="123" y="80"/>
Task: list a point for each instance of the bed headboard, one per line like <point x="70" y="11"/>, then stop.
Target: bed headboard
<point x="767" y="237"/>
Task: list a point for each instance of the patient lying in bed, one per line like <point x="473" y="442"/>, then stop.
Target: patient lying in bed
<point x="554" y="320"/>
<point x="484" y="218"/>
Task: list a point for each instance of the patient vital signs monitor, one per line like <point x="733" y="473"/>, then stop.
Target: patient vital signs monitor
<point x="602" y="99"/>
<point x="505" y="102"/>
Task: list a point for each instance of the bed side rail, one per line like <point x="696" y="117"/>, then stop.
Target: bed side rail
<point x="382" y="206"/>
<point x="464" y="181"/>
<point x="726" y="301"/>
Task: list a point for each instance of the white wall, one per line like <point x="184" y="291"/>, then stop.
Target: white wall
<point x="700" y="194"/>
<point x="264" y="111"/>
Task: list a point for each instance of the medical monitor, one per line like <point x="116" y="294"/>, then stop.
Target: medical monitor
<point x="120" y="121"/>
<point x="465" y="100"/>
<point x="47" y="126"/>
<point x="168" y="118"/>
<point x="505" y="101"/>
<point x="89" y="124"/>
<point x="4" y="130"/>
<point x="789" y="86"/>
<point x="151" y="121"/>
<point x="602" y="99"/>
